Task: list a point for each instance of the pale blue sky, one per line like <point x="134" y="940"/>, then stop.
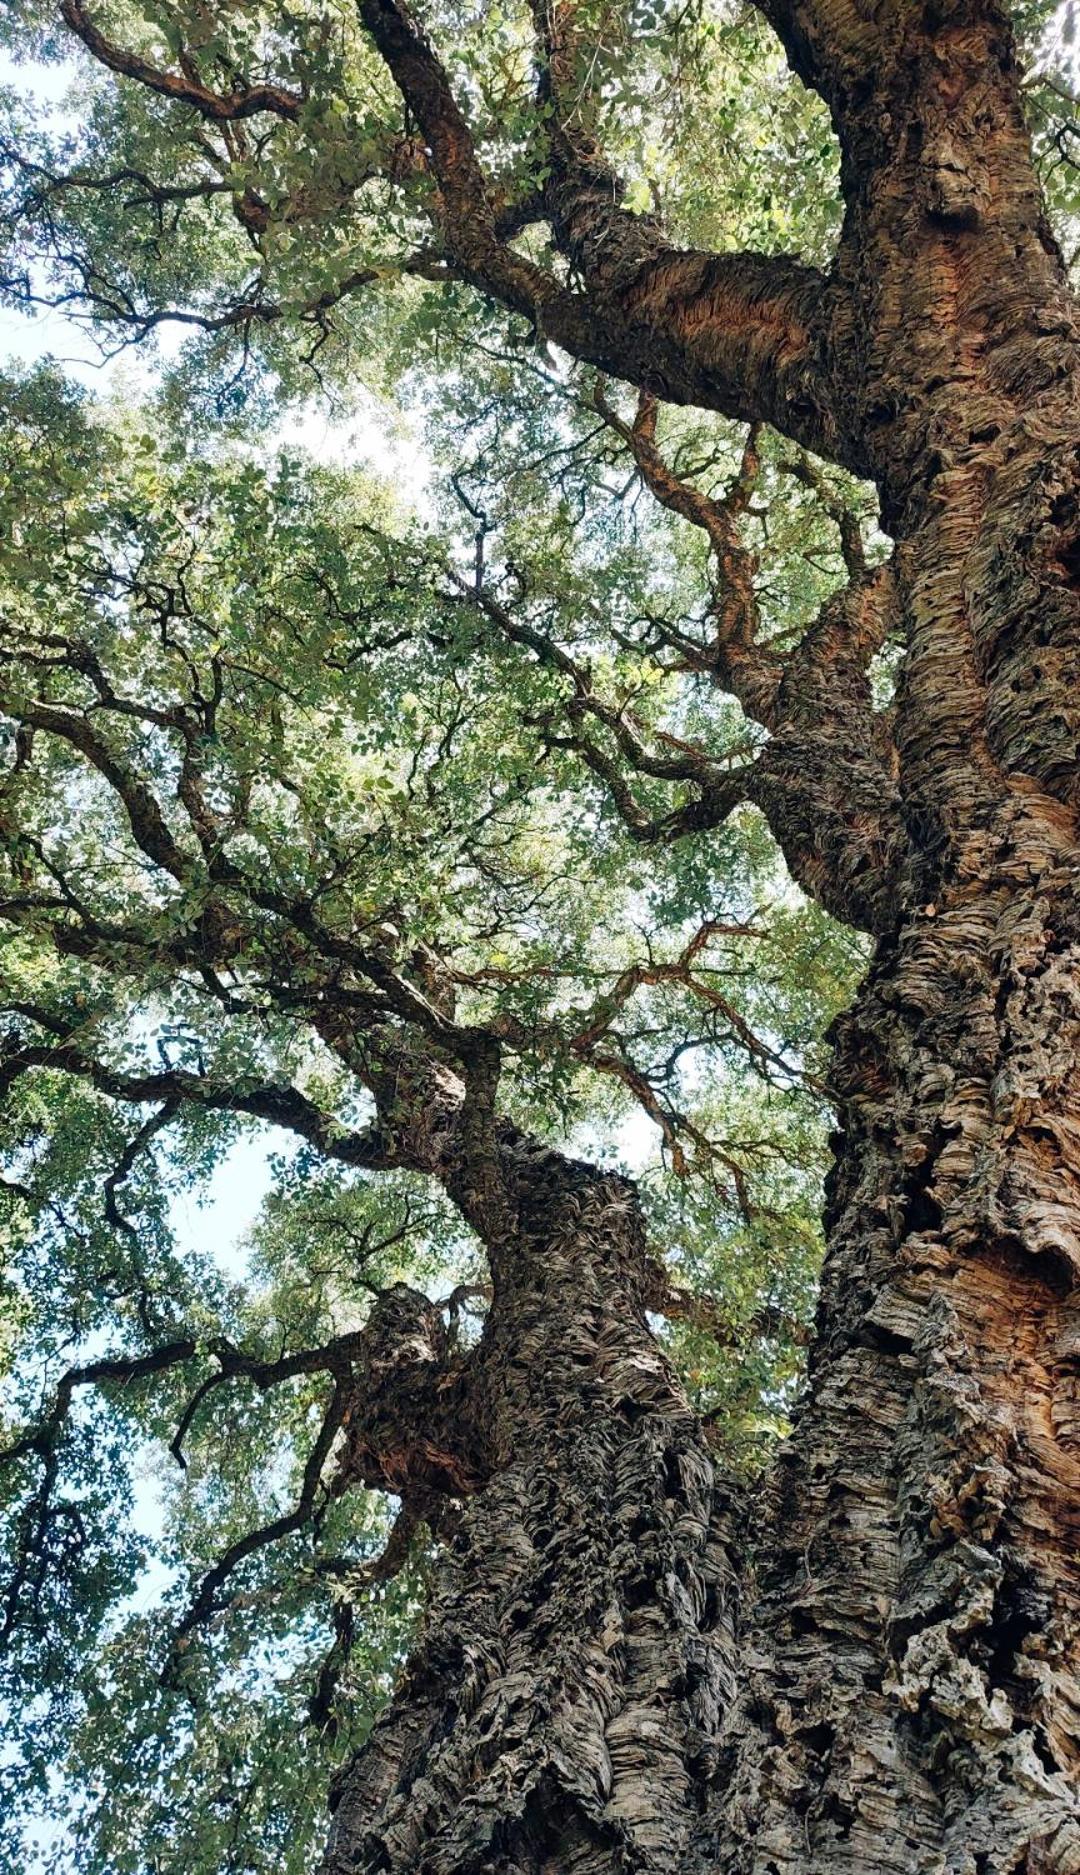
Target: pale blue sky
<point x="216" y="1220"/>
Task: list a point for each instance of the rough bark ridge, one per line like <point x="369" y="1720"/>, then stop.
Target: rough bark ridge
<point x="879" y="1669"/>
<point x="901" y="1692"/>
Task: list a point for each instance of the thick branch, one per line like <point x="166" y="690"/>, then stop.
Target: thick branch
<point x="745" y="334"/>
<point x="582" y="193"/>
<point x="246" y="101"/>
<point x="753" y="328"/>
<point x="469" y="209"/>
<point x="737" y="333"/>
<point x="148" y="824"/>
<point x="277" y="1103"/>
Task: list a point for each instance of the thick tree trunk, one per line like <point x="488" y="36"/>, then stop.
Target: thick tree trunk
<point x="563" y="1708"/>
<point x="915" y="1698"/>
<point x="910" y="1671"/>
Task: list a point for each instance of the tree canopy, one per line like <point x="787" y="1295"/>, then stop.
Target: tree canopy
<point x="321" y="796"/>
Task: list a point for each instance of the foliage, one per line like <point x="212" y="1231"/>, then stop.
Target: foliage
<point x="278" y="744"/>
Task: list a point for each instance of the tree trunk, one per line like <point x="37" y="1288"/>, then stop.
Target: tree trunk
<point x="914" y="1702"/>
<point x="563" y="1708"/>
<point x="910" y="1669"/>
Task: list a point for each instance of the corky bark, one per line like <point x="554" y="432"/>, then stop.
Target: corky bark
<point x="563" y="1706"/>
<point x="915" y="1701"/>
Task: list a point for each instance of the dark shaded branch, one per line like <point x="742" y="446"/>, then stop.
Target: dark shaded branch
<point x="733" y="657"/>
<point x="746" y="334"/>
<point x="738" y="333"/>
<point x="470" y="212"/>
<point x="753" y="325"/>
<point x="44" y="1442"/>
<point x="719" y="787"/>
<point x="334" y="1357"/>
<point x="278" y="1103"/>
<point x="826" y="779"/>
<point x="359" y="1577"/>
<point x="830" y="44"/>
<point x="122" y="1369"/>
<point x="668" y="1298"/>
<point x="582" y="193"/>
<point x="148" y="824"/>
<point x="205" y="1603"/>
<point x="182" y="88"/>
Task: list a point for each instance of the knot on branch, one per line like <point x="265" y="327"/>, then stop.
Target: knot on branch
<point x="955" y="178"/>
<point x="408" y="1426"/>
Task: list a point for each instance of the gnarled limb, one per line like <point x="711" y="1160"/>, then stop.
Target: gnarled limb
<point x="205" y="1601"/>
<point x="182" y="88"/>
<point x="746" y="334"/>
<point x="739" y="333"/>
<point x="826" y="778"/>
<point x="411" y="1422"/>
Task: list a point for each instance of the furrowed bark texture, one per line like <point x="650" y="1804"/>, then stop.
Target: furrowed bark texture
<point x="563" y="1706"/>
<point x="895" y="1686"/>
<point x="912" y="1699"/>
<point x="910" y="1675"/>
